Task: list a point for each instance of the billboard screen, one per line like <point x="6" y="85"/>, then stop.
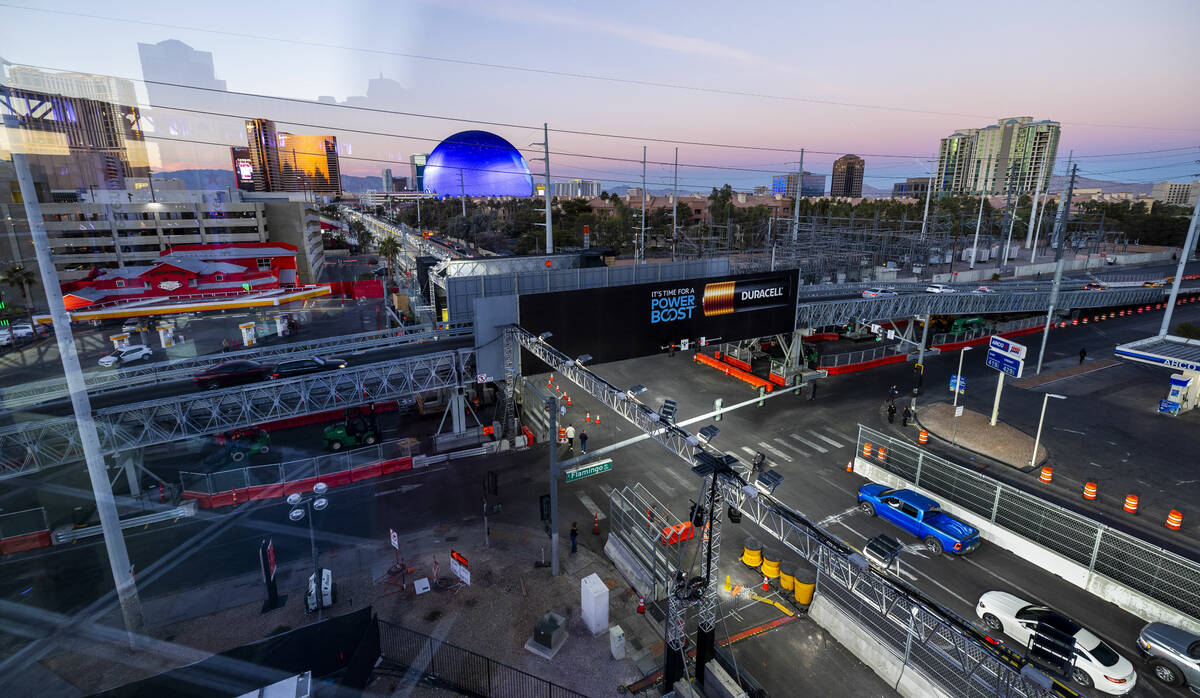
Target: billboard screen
<point x="623" y="322"/>
<point x="243" y="170"/>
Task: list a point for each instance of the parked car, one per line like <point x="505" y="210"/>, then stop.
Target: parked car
<point x="1093" y="286"/>
<point x="1172" y="653"/>
<point x="878" y="292"/>
<point x="1095" y="664"/>
<point x="131" y="326"/>
<point x="1152" y="284"/>
<point x="920" y="516"/>
<point x="938" y="288"/>
<point x="983" y="289"/>
<point x="24" y="330"/>
<point x="232" y="373"/>
<point x="128" y="355"/>
<point x="309" y="364"/>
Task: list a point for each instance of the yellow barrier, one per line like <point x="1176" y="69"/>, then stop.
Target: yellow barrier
<point x="770" y="564"/>
<point x="752" y="553"/>
<point x="787" y="576"/>
<point x="804" y="585"/>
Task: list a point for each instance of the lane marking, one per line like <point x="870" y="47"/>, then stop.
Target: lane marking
<point x="912" y="576"/>
<point x="591" y="506"/>
<point x="749" y="450"/>
<point x="402" y="489"/>
<point x="837" y="518"/>
<point x="771" y="449"/>
<point x="839" y="434"/>
<point x="806" y="442"/>
<point x="1073" y="431"/>
<point x="826" y="439"/>
<point x="659" y="482"/>
<point x="794" y="447"/>
<point x="679" y="478"/>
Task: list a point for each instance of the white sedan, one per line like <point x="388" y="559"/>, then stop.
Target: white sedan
<point x="1095" y="663"/>
<point x="938" y="288"/>
<point x="131" y="353"/>
<point x="878" y="292"/>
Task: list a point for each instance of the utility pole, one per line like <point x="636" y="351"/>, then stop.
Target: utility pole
<point x="1060" y="236"/>
<point x="1189" y="246"/>
<point x="642" y="245"/>
<point x="979" y="219"/>
<point x="546" y="151"/>
<point x="106" y="507"/>
<point x="462" y="189"/>
<point x="928" y="195"/>
<point x="1034" y="204"/>
<point x="675" y="205"/>
<point x="796" y="200"/>
<point x="552" y="406"/>
<point x="1012" y="215"/>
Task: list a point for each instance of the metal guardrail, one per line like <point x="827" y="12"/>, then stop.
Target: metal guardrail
<point x="20" y="523"/>
<point x="167" y="371"/>
<point x="300" y="469"/>
<point x="858" y="357"/>
<point x="991" y="329"/>
<point x="470" y="673"/>
<point x="70" y="535"/>
<point x="1160" y="574"/>
<point x="33" y="445"/>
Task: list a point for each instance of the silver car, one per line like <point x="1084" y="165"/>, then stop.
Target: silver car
<point x="1172" y="653"/>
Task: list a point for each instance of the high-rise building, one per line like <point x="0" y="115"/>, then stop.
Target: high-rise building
<point x="785" y="184"/>
<point x="1177" y="193"/>
<point x="292" y="162"/>
<point x="243" y="167"/>
<point x="417" y="161"/>
<point x="578" y="188"/>
<point x="847" y="176"/>
<point x="173" y="61"/>
<point x="762" y="190"/>
<point x="388" y="184"/>
<point x="998" y="159"/>
<point x="912" y="188"/>
<point x="83" y="131"/>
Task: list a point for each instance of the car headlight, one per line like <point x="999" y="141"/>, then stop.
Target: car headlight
<point x="1143" y="644"/>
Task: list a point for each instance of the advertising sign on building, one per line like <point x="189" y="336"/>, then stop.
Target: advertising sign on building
<point x="622" y="322"/>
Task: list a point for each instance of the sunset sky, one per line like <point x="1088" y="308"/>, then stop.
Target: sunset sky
<point x="881" y="79"/>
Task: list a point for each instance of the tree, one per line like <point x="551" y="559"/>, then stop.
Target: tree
<point x="389" y="249"/>
<point x="20" y="278"/>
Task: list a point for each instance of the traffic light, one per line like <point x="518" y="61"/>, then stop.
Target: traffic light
<point x="544" y="502"/>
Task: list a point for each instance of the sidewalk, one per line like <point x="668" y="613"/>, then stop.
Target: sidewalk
<point x="973" y="431"/>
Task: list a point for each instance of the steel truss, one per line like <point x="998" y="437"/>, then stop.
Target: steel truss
<point x="838" y="312"/>
<point x="31" y="446"/>
<point x="149" y="374"/>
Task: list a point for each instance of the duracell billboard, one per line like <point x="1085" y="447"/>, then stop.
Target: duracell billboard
<point x="623" y="322"/>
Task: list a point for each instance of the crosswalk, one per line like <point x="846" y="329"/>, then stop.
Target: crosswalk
<point x="673" y="483"/>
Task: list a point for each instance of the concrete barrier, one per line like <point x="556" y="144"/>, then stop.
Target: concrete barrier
<point x="1097" y="584"/>
<point x="909" y="681"/>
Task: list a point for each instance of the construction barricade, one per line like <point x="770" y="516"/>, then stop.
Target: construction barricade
<point x="770" y="564"/>
<point x="751" y="552"/>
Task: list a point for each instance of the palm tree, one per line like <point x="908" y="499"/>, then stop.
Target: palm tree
<point x="18" y="277"/>
<point x="389" y="249"/>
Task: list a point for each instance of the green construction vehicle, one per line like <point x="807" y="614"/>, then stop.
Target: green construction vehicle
<point x="243" y="442"/>
<point x="966" y="324"/>
<point x="356" y="430"/>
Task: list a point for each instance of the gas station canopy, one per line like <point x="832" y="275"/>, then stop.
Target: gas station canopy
<point x="1166" y="351"/>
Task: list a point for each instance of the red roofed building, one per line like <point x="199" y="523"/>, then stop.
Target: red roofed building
<point x="185" y="271"/>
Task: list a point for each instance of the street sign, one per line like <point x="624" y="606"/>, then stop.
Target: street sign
<point x="395" y="538"/>
<point x="958" y="411"/>
<point x="483" y="378"/>
<point x="1004" y="346"/>
<point x="683" y="344"/>
<point x="959" y="384"/>
<point x="1005" y="363"/>
<point x="891" y="334"/>
<point x="458" y="565"/>
<point x="582" y="471"/>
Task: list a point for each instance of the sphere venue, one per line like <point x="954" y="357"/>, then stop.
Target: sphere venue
<point x="487" y="164"/>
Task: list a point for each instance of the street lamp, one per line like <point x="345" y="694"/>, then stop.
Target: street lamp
<point x="958" y="381"/>
<point x="304" y="505"/>
<point x="1041" y="419"/>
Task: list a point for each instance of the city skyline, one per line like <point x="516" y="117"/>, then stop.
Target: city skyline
<point x="897" y="133"/>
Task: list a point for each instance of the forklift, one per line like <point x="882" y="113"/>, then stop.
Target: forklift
<point x="357" y="429"/>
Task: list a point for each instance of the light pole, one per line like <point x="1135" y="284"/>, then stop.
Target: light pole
<point x="958" y="381"/>
<point x="304" y="505"/>
<point x="1037" y="439"/>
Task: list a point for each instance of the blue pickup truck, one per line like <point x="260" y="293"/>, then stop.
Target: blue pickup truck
<point x="920" y="516"/>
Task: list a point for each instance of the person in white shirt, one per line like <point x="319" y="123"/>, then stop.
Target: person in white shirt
<point x="570" y="437"/>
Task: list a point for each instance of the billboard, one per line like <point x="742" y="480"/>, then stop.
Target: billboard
<point x="623" y="322"/>
<point x="243" y="169"/>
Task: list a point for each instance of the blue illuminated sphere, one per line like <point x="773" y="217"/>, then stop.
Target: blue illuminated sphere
<point x="488" y="165"/>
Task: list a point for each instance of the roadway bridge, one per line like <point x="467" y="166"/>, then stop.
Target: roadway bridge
<point x="33" y="445"/>
<point x="142" y="375"/>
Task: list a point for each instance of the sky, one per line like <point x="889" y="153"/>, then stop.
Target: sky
<point x="880" y="79"/>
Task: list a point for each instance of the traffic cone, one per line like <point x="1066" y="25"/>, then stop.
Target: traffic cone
<point x="587" y="417"/>
<point x="597" y="418"/>
<point x="642" y="605"/>
<point x="850" y="466"/>
<point x="766" y="583"/>
<point x="728" y="586"/>
<point x="596" y="525"/>
<point x="568" y="401"/>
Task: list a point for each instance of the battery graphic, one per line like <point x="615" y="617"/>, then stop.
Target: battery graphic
<point x="725" y="297"/>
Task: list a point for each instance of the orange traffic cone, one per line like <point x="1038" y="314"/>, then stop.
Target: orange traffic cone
<point x="766" y="584"/>
<point x="587" y="417"/>
<point x="849" y="466"/>
<point x="642" y="605"/>
<point x="597" y="418"/>
<point x="596" y="525"/>
<point x="568" y="400"/>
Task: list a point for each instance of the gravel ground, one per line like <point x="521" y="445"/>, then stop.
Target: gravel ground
<point x="1002" y="442"/>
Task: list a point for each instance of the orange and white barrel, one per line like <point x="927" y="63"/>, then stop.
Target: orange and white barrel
<point x="1089" y="490"/>
<point x="1131" y="502"/>
<point x="1174" y="519"/>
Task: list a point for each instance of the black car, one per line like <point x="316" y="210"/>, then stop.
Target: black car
<point x="232" y="373"/>
<point x="309" y="364"/>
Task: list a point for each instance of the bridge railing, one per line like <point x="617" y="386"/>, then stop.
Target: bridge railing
<point x="990" y="329"/>
<point x="858" y="357"/>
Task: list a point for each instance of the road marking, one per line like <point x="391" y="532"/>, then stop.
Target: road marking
<point x="839" y="434"/>
<point x="806" y="442"/>
<point x="679" y="478"/>
<point x="1186" y="482"/>
<point x="591" y="506"/>
<point x="826" y="439"/>
<point x="402" y="489"/>
<point x="658" y="481"/>
<point x="776" y="451"/>
<point x="1092" y="462"/>
<point x="1073" y="431"/>
<point x="794" y="447"/>
<point x="749" y="450"/>
<point x="911" y="575"/>
<point x="836" y="518"/>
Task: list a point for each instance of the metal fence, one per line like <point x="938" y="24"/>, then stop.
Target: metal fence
<point x="20" y="523"/>
<point x="858" y="357"/>
<point x="275" y="473"/>
<point x="1160" y="574"/>
<point x="990" y="329"/>
<point x="466" y="671"/>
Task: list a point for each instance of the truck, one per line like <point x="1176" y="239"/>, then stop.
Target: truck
<point x="920" y="516"/>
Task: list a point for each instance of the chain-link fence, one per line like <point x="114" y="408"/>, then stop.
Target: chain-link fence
<point x="858" y="357"/>
<point x="464" y="670"/>
<point x="20" y="523"/>
<point x="318" y="466"/>
<point x="988" y="329"/>
<point x="1160" y="574"/>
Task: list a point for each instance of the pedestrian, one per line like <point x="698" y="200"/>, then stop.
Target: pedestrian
<point x="893" y="392"/>
<point x="574" y="536"/>
<point x="905" y="417"/>
<point x="891" y="413"/>
<point x="1082" y="355"/>
<point x="583" y="441"/>
<point x="813" y="394"/>
<point x="226" y="344"/>
<point x="570" y="437"/>
<point x="760" y="462"/>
